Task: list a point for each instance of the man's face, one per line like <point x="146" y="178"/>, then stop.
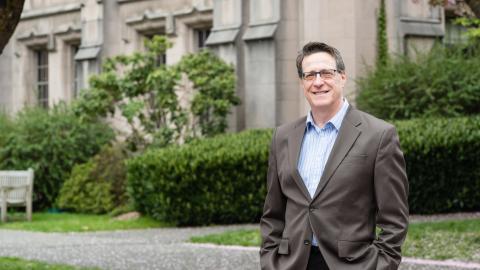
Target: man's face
<point x="324" y="94"/>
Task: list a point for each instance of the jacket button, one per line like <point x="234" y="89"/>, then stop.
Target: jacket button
<point x="306" y="242"/>
<point x="312" y="209"/>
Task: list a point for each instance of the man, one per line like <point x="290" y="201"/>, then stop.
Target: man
<point x="333" y="177"/>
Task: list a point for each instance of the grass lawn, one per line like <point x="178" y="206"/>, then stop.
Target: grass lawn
<point x="66" y="222"/>
<point x="20" y="264"/>
<point x="458" y="239"/>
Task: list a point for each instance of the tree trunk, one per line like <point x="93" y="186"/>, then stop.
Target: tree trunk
<point x="10" y="11"/>
<point x="475" y="6"/>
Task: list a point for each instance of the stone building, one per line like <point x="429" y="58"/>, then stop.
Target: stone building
<point x="59" y="43"/>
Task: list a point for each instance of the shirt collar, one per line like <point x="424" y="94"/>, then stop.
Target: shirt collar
<point x="335" y="121"/>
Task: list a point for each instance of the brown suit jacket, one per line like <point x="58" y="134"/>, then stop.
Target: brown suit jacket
<point x="364" y="185"/>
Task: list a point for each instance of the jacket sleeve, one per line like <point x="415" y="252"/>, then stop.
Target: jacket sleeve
<point x="272" y="222"/>
<point x="391" y="193"/>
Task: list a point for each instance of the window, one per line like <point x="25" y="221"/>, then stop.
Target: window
<point x="76" y="71"/>
<point x="201" y="36"/>
<point x="42" y="77"/>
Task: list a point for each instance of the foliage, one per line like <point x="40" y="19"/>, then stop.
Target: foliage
<point x="442" y="163"/>
<point x="51" y="142"/>
<point x="382" y="43"/>
<point x="444" y="82"/>
<point x="143" y="92"/>
<point x="214" y="80"/>
<point x="97" y="186"/>
<point x="473" y="27"/>
<point x="209" y="181"/>
<point x="222" y="179"/>
<point x="69" y="222"/>
<point x="147" y="95"/>
<point x="5" y="128"/>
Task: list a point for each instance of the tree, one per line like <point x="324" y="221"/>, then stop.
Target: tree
<point x="462" y="8"/>
<point x="468" y="12"/>
<point x="10" y="11"/>
<point x="146" y="94"/>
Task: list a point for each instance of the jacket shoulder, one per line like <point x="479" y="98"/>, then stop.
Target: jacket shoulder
<point x="368" y="121"/>
<point x="286" y="128"/>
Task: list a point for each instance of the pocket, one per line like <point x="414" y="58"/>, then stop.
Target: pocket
<point x="355" y="157"/>
<point x="351" y="251"/>
<point x="283" y="248"/>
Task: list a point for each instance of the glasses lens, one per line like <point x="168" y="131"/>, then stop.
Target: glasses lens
<point x="309" y="76"/>
<point x="324" y="74"/>
<point x="327" y="73"/>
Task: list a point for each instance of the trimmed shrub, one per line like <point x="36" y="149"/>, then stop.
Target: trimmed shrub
<point x="97" y="186"/>
<point x="442" y="83"/>
<point x="51" y="142"/>
<point x="219" y="180"/>
<point x="222" y="180"/>
<point x="443" y="164"/>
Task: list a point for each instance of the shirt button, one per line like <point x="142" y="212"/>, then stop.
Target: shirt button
<point x="306" y="242"/>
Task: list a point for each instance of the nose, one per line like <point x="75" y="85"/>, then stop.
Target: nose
<point x="318" y="80"/>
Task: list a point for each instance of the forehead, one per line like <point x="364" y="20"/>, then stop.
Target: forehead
<point x="318" y="60"/>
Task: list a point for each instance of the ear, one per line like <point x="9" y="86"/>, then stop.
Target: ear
<point x="343" y="79"/>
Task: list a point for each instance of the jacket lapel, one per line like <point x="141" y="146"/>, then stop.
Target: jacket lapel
<point x="347" y="136"/>
<point x="294" y="144"/>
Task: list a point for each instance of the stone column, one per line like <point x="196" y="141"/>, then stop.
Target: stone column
<point x="260" y="64"/>
<point x="224" y="41"/>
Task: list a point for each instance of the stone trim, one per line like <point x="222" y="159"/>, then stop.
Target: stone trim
<point x="262" y="31"/>
<point x="86" y="53"/>
<point x="51" y="11"/>
<point x="419" y="20"/>
<point x="223" y="36"/>
<point x="126" y="1"/>
<point x="67" y="28"/>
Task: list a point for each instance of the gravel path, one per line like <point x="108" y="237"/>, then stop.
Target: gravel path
<point x="147" y="249"/>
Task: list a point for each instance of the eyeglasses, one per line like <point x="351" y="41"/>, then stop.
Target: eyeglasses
<point x="324" y="74"/>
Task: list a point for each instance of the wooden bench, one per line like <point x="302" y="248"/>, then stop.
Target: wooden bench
<point x="16" y="188"/>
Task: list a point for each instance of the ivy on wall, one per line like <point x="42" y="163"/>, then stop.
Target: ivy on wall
<point x="382" y="43"/>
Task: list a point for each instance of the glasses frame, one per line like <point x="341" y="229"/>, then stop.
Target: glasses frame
<point x="319" y="73"/>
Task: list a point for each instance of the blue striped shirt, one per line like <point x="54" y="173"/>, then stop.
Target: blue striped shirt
<point x="316" y="147"/>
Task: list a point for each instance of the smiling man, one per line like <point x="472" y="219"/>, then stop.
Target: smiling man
<point x="333" y="177"/>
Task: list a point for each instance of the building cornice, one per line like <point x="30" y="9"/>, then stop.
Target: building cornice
<point x="51" y="11"/>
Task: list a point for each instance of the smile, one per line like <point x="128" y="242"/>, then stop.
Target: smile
<point x="320" y="92"/>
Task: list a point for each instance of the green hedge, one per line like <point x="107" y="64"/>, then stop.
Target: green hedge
<point x="222" y="180"/>
<point x="51" y="142"/>
<point x="210" y="181"/>
<point x="443" y="163"/>
<point x="442" y="83"/>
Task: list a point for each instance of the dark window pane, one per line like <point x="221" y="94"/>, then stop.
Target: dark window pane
<point x="42" y="78"/>
<point x="202" y="35"/>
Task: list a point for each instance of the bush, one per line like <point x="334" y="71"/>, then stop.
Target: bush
<point x="5" y="128"/>
<point x="444" y="82"/>
<point x="442" y="163"/>
<point x="222" y="180"/>
<point x="51" y="143"/>
<point x="218" y="180"/>
<point x="98" y="186"/>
